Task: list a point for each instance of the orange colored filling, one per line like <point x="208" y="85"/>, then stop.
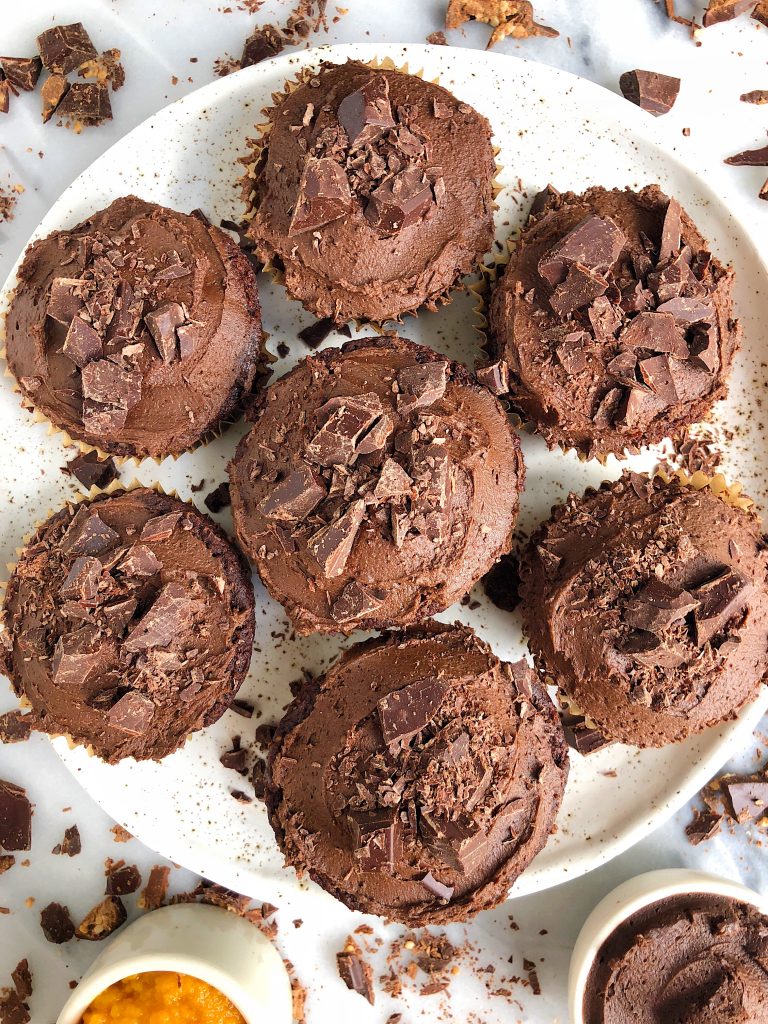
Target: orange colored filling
<point x="161" y="997"/>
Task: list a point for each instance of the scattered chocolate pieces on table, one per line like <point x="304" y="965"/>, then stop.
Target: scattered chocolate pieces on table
<point x="70" y="846"/>
<point x="750" y="158"/>
<point x="156" y="889"/>
<point x="122" y="878"/>
<point x="219" y="498"/>
<point x="650" y="90"/>
<point x="15" y="818"/>
<point x="56" y="923"/>
<point x="757" y="96"/>
<point x="703" y="826"/>
<point x="91" y="470"/>
<point x="355" y="971"/>
<point x="102" y="920"/>
<point x="514" y="18"/>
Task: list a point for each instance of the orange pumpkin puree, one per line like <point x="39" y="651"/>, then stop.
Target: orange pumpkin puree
<point x="161" y="997"/>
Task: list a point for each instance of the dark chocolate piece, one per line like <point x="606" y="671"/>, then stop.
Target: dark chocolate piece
<point x="332" y="545"/>
<point x="64" y="302"/>
<point x="264" y="42"/>
<point x="653" y="651"/>
<point x="335" y="444"/>
<point x="324" y="195"/>
<point x="400" y="201"/>
<point x="15" y="727"/>
<point x="595" y="243"/>
<point x="580" y="287"/>
<point x="7" y="860"/>
<point x="317" y="332"/>
<point x="65" y="47"/>
<point x="236" y="760"/>
<point x="658" y="605"/>
<point x="139" y="560"/>
<point x="88" y="534"/>
<point x="650" y="90"/>
<point x="671" y="231"/>
<point x="763" y="193"/>
<point x="355" y="601"/>
<point x="160" y="527"/>
<point x="156" y="888"/>
<point x="12" y="1008"/>
<point x="440" y="891"/>
<point x="460" y="842"/>
<point x="70" y="846"/>
<point x="686" y="310"/>
<point x="495" y="377"/>
<point x="102" y="920"/>
<point x="407" y="711"/>
<point x="122" y="879"/>
<point x="76" y="656"/>
<point x="5" y="96"/>
<point x="393" y="481"/>
<point x="656" y="332"/>
<point x="719" y="11"/>
<point x="750" y="158"/>
<point x="21" y="72"/>
<point x="132" y="713"/>
<point x="22" y="980"/>
<point x="56" y="923"/>
<point x="573" y="351"/>
<point x="91" y="471"/>
<point x="703" y="826"/>
<point x="86" y="103"/>
<point x="747" y="798"/>
<point x="295" y="496"/>
<point x="585" y="739"/>
<point x="105" y="383"/>
<point x="168" y="617"/>
<point x="15" y="818"/>
<point x="421" y="385"/>
<point x="82" y="581"/>
<point x="54" y="89"/>
<point x="354" y="971"/>
<point x="219" y="498"/>
<point x="718" y="601"/>
<point x="377" y="837"/>
<point x="161" y="324"/>
<point x="367" y="112"/>
<point x="657" y="375"/>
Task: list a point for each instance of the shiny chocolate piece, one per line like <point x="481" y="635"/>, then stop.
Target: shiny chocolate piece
<point x="650" y="90"/>
<point x="15" y="818"/>
<point x="366" y="112"/>
<point x="86" y="103"/>
<point x="64" y="48"/>
<point x="56" y="923"/>
<point x="400" y="201"/>
<point x="324" y="195"/>
<point x="21" y="72"/>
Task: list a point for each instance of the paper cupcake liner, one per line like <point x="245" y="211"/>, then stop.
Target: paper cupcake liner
<point x="257" y="146"/>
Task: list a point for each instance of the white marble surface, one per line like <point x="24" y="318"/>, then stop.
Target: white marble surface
<point x="606" y="37"/>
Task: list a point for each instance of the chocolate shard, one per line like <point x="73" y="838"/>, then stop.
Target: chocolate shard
<point x="77" y="656"/>
<point x="5" y="96"/>
<point x="335" y="444"/>
<point x="56" y="923"/>
<point x="605" y="318"/>
<point x="22" y="980"/>
<point x="54" y="89"/>
<point x="91" y="471"/>
<point x="376" y="837"/>
<point x="160" y="527"/>
<point x="156" y="888"/>
<point x="718" y="601"/>
<point x="70" y="846"/>
<point x="294" y="497"/>
<point x="657" y="332"/>
<point x="15" y="818"/>
<point x="22" y="72"/>
<point x="188" y="336"/>
<point x="88" y="534"/>
<point x="659" y="605"/>
<point x="657" y="375"/>
<point x="102" y="920"/>
<point x="703" y="826"/>
<point x="317" y="332"/>
<point x="219" y="498"/>
<point x="122" y="879"/>
<point x="747" y="798"/>
<point x="671" y="231"/>
<point x="756" y="96"/>
<point x="139" y="560"/>
<point x="106" y="420"/>
<point x="12" y="1008"/>
<point x="65" y="47"/>
<point x="132" y="713"/>
<point x="763" y="193"/>
<point x="400" y="201"/>
<point x="725" y="10"/>
<point x="119" y="613"/>
<point x="495" y="377"/>
<point x="82" y="581"/>
<point x="374" y="439"/>
<point x="579" y="288"/>
<point x="393" y="481"/>
<point x="367" y="112"/>
<point x="582" y="737"/>
<point x="595" y="243"/>
<point x="262" y="44"/>
<point x="64" y="302"/>
<point x="687" y="310"/>
<point x="622" y="368"/>
<point x="161" y="324"/>
<point x="168" y="617"/>
<point x="653" y="651"/>
<point x="608" y="407"/>
<point x="354" y="602"/>
<point x="406" y="711"/>
<point x="443" y="893"/>
<point x="421" y="385"/>
<point x="15" y="727"/>
<point x="573" y="351"/>
<point x="750" y="158"/>
<point x="354" y="971"/>
<point x="86" y="103"/>
<point x="650" y="90"/>
<point x="332" y="545"/>
<point x="105" y="383"/>
<point x="459" y="842"/>
<point x="324" y="195"/>
<point x="235" y="760"/>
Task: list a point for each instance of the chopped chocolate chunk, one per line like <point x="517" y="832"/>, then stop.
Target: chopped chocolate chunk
<point x="585" y="739"/>
<point x="750" y="158"/>
<point x="622" y="368"/>
<point x="21" y="72"/>
<point x="160" y="527"/>
<point x="650" y="90"/>
<point x="377" y="837"/>
<point x="122" y="879"/>
<point x="725" y="10"/>
<point x="421" y="385"/>
<point x="139" y="560"/>
<point x="156" y="888"/>
<point x="747" y="798"/>
<point x="169" y="616"/>
<point x="12" y="1008"/>
<point x="703" y="826"/>
<point x="70" y="846"/>
<point x="261" y="44"/>
<point x="656" y="332"/>
<point x="400" y="201"/>
<point x="495" y="377"/>
<point x="15" y="727"/>
<point x="88" y="534"/>
<point x="82" y="581"/>
<point x="107" y="384"/>
<point x="671" y="231"/>
<point x="393" y="481"/>
<point x="607" y="407"/>
<point x="295" y="496"/>
<point x="90" y="470"/>
<point x="653" y="651"/>
<point x="15" y="818"/>
<point x="573" y="350"/>
<point x="332" y="545"/>
<point x="406" y="711"/>
<point x="757" y="96"/>
<point x="686" y="310"/>
<point x="657" y="375"/>
<point x="440" y="891"/>
<point x="219" y="498"/>
<point x="355" y="601"/>
<point x="64" y="302"/>
<point x="579" y="288"/>
<point x="658" y="605"/>
<point x="76" y="656"/>
<point x="52" y="93"/>
<point x="161" y="324"/>
<point x="7" y="860"/>
<point x="604" y="317"/>
<point x="510" y="18"/>
<point x="65" y="47"/>
<point x="235" y="760"/>
<point x="354" y="971"/>
<point x="760" y="13"/>
<point x="460" y="842"/>
<point x="5" y="104"/>
<point x="317" y="332"/>
<point x="324" y="195"/>
<point x="763" y="193"/>
<point x="100" y="922"/>
<point x="335" y="444"/>
<point x="375" y="437"/>
<point x="502" y="582"/>
<point x="595" y="243"/>
<point x="718" y="601"/>
<point x="132" y="713"/>
<point x="87" y="103"/>
<point x="366" y="113"/>
<point x="22" y="980"/>
<point x="56" y="923"/>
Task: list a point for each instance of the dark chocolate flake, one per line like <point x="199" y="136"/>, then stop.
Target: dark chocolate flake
<point x="169" y="617"/>
<point x="161" y="324"/>
<point x="65" y="47"/>
<point x="659" y="605"/>
<point x="354" y="971"/>
<point x="88" y="534"/>
<point x="82" y="344"/>
<point x="86" y="103"/>
<point x="132" y="714"/>
<point x="21" y="72"/>
<point x="90" y="470"/>
<point x="354" y="602"/>
<point x="22" y="980"/>
<point x="406" y="711"/>
<point x="421" y="385"/>
<point x="687" y="310"/>
<point x="335" y="443"/>
<point x="657" y="332"/>
<point x="105" y="383"/>
<point x="122" y="879"/>
<point x="70" y="846"/>
<point x="139" y="560"/>
<point x="295" y="496"/>
<point x="317" y="332"/>
<point x="582" y="737"/>
<point x="160" y="527"/>
<point x="82" y="581"/>
<point x="657" y="375"/>
<point x="579" y="288"/>
<point x="377" y="838"/>
<point x="703" y="826"/>
<point x="15" y="727"/>
<point x="262" y="44"/>
<point x="400" y="201"/>
<point x="650" y="90"/>
<point x="64" y="299"/>
<point x="219" y="498"/>
<point x="495" y="377"/>
<point x="332" y="545"/>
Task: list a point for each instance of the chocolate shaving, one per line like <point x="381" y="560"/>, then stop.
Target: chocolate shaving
<point x="15" y="818"/>
<point x="102" y="920"/>
<point x="324" y="195"/>
<point x="56" y="923"/>
<point x="649" y="90"/>
<point x="406" y="711"/>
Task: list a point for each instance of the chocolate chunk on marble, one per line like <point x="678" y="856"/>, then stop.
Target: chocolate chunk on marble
<point x="71" y="844"/>
<point x="64" y="48"/>
<point x="122" y="879"/>
<point x="56" y="923"/>
<point x="703" y="826"/>
<point x="650" y="90"/>
<point x="15" y="818"/>
<point x="53" y="91"/>
<point x="102" y="920"/>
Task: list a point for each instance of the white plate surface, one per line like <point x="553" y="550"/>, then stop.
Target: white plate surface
<point x="549" y="126"/>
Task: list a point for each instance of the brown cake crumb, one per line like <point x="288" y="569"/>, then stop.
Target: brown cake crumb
<point x="121" y="835"/>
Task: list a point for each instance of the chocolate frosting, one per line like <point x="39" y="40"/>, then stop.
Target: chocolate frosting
<point x="692" y="959"/>
<point x="128" y="624"/>
<point x="374" y="192"/>
<point x="419" y="777"/>
<point x="647" y="604"/>
<point x="379" y="483"/>
<point x="138" y="331"/>
<point x="614" y="319"/>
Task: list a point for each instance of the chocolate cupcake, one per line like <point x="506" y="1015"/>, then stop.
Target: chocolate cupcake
<point x="128" y="624"/>
<point x="647" y="604"/>
<point x="693" y="959"/>
<point x="138" y="331"/>
<point x="614" y="319"/>
<point x="373" y="193"/>
<point x="419" y="777"/>
<point x="379" y="483"/>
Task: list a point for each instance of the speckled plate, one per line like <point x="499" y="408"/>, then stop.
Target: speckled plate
<point x="549" y="126"/>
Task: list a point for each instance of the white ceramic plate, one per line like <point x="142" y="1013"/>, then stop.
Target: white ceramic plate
<point x="549" y="126"/>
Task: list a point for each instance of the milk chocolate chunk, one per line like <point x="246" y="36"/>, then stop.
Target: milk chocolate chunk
<point x="71" y="845"/>
<point x="572" y="351"/>
<point x="725" y="10"/>
<point x="317" y="332"/>
<point x="105" y="383"/>
<point x="86" y="103"/>
<point x="750" y="158"/>
<point x="354" y="602"/>
<point x="160" y="527"/>
<point x="102" y="920"/>
<point x="64" y="299"/>
<point x="747" y="798"/>
<point x="156" y="888"/>
<point x="56" y="923"/>
<point x="375" y="437"/>
<point x="623" y="369"/>
<point x="65" y="47"/>
<point x="332" y="545"/>
<point x="656" y="332"/>
<point x="21" y="72"/>
<point x="377" y="837"/>
<point x="119" y="613"/>
<point x="460" y="842"/>
<point x="336" y="442"/>
<point x="421" y="385"/>
<point x="82" y="581"/>
<point x="139" y="561"/>
<point x="366" y="112"/>
<point x="91" y="471"/>
<point x="703" y="826"/>
<point x="438" y="889"/>
<point x="53" y="91"/>
<point x="295" y="496"/>
<point x="324" y="195"/>
<point x="658" y="605"/>
<point x="405" y="712"/>
<point x="687" y="310"/>
<point x="654" y="651"/>
<point x="605" y="318"/>
<point x="262" y="44"/>
<point x="495" y="377"/>
<point x="400" y="201"/>
<point x="579" y="288"/>
<point x="650" y="90"/>
<point x="718" y="601"/>
<point x="355" y="972"/>
<point x="15" y="818"/>
<point x="393" y="481"/>
<point x="167" y="618"/>
<point x="88" y="534"/>
<point x="123" y="879"/>
<point x="596" y="243"/>
<point x="162" y="323"/>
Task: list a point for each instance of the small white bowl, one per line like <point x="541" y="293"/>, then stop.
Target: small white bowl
<point x="627" y="899"/>
<point x="205" y="942"/>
